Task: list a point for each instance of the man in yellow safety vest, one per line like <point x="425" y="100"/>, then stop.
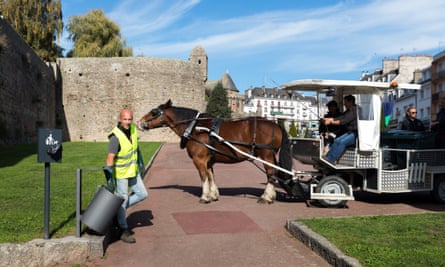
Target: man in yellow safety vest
<point x="122" y="164"/>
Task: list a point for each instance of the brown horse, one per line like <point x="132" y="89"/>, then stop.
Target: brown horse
<point x="256" y="136"/>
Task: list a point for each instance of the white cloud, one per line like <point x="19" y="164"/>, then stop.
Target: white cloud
<point x="137" y="17"/>
<point x="339" y="38"/>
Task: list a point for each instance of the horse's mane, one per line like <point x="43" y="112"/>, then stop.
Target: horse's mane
<point x="184" y="113"/>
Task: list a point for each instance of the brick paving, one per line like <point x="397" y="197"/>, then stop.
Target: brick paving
<point x="173" y="229"/>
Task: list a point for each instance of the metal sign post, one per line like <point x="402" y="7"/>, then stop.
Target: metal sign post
<point x="49" y="150"/>
<point x="46" y="200"/>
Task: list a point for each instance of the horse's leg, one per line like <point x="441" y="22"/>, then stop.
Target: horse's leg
<point x="214" y="192"/>
<point x="269" y="195"/>
<point x="201" y="165"/>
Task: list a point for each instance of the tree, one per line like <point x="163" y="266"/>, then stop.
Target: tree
<point x="307" y="133"/>
<point x="293" y="130"/>
<point x="38" y="22"/>
<point x="218" y="104"/>
<point x="94" y="35"/>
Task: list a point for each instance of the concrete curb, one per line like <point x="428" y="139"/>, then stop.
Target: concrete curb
<point x="320" y="245"/>
<point x="52" y="252"/>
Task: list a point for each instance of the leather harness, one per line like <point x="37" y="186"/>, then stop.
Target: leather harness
<point x="215" y="129"/>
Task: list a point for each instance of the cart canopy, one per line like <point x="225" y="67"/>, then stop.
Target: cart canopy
<point x="368" y="95"/>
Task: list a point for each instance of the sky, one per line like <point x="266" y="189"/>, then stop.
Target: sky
<point x="268" y="43"/>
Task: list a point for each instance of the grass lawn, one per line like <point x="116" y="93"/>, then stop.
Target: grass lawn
<point x="393" y="240"/>
<point x="22" y="181"/>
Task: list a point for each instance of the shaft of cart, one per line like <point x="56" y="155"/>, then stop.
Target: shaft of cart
<point x="220" y="139"/>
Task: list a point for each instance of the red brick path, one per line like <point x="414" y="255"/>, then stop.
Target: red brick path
<point x="173" y="229"/>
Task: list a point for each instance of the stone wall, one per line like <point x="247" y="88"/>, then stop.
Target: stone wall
<point x="27" y="90"/>
<point x="83" y="96"/>
<point x="96" y="89"/>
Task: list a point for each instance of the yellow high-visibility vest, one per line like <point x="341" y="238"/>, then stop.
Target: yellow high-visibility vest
<point x="126" y="160"/>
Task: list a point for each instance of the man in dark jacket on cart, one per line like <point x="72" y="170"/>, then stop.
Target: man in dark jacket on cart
<point x="349" y="121"/>
<point x="411" y="123"/>
<point x="331" y="132"/>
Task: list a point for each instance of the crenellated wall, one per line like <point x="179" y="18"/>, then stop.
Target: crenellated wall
<point x="83" y="96"/>
<point x="96" y="89"/>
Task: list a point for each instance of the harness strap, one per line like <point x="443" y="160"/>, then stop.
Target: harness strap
<point x="252" y="149"/>
<point x="216" y="125"/>
<point x="186" y="135"/>
<point x="213" y="149"/>
<point x="252" y="145"/>
<point x="215" y="128"/>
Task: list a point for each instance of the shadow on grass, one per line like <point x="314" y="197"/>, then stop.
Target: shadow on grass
<point x="71" y="217"/>
<point x="12" y="155"/>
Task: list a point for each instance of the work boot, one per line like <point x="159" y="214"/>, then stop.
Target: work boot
<point x="127" y="237"/>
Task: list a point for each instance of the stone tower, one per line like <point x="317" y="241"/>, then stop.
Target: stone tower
<point x="199" y="56"/>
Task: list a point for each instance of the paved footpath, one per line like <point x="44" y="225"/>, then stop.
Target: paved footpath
<point x="173" y="229"/>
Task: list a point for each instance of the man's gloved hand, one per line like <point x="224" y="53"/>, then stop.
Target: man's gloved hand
<point x="108" y="171"/>
<point x="141" y="164"/>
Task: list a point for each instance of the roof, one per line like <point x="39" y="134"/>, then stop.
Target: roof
<point x="276" y="93"/>
<point x="346" y="85"/>
<point x="226" y="81"/>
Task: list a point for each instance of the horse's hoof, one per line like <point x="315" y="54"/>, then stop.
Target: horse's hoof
<point x="263" y="201"/>
<point x="203" y="201"/>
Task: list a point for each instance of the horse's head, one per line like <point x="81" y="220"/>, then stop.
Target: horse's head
<point x="154" y="118"/>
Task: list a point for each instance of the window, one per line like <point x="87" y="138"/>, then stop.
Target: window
<point x="365" y="107"/>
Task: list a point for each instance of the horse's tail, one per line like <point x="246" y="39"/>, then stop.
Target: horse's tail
<point x="285" y="156"/>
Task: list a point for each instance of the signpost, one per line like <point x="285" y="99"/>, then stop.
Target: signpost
<point x="49" y="150"/>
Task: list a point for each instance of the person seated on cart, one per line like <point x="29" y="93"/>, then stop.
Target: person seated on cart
<point x="411" y="123"/>
<point x="331" y="132"/>
<point x="348" y="120"/>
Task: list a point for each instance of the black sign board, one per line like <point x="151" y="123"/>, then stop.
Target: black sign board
<point x="49" y="145"/>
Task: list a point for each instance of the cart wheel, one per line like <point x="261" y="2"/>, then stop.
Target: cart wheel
<point x="439" y="190"/>
<point x="332" y="185"/>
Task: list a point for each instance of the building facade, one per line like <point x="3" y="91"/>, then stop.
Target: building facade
<point x="437" y="84"/>
<point x="406" y="69"/>
<point x="277" y="104"/>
